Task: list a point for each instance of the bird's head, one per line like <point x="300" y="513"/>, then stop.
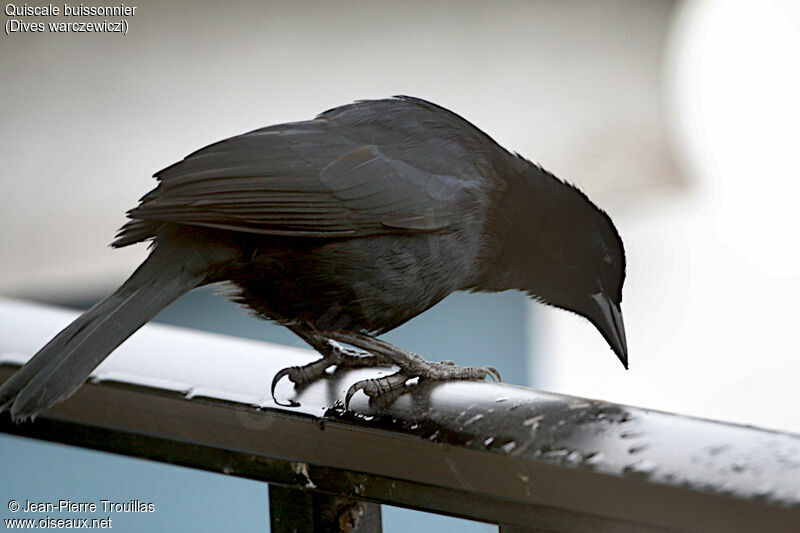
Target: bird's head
<point x="585" y="271"/>
<point x="562" y="250"/>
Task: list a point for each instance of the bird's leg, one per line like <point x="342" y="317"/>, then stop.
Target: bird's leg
<point x="411" y="366"/>
<point x="333" y="354"/>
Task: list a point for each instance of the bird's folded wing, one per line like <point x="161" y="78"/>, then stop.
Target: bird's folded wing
<point x="300" y="180"/>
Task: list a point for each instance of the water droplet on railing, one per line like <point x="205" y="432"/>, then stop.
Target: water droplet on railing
<point x="637" y="449"/>
<point x="555" y="455"/>
<point x="574" y="457"/>
<point x="593" y="458"/>
<point x="533" y="422"/>
<point x="642" y="468"/>
<point x="508" y="447"/>
<point x="473" y="419"/>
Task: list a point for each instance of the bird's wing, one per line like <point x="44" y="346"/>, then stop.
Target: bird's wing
<point x="305" y="179"/>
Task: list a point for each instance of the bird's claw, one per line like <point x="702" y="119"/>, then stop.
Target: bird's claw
<point x="376" y="387"/>
<point x="296" y="375"/>
<point x="290" y="371"/>
<point x="335" y="356"/>
<point x="299" y="375"/>
<point x="491" y="372"/>
<point x="277" y="378"/>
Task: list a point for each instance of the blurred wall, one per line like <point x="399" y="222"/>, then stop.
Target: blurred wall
<point x="88" y="118"/>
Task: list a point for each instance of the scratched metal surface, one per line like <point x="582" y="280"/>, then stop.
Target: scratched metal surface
<point x="618" y="440"/>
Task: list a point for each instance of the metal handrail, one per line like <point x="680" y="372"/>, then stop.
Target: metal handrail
<point x="497" y="453"/>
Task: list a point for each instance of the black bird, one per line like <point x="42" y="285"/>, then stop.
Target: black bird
<point x="344" y="227"/>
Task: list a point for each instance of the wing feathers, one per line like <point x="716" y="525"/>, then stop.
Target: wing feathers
<point x="297" y="180"/>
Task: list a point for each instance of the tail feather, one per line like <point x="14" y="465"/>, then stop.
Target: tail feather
<point x="64" y="363"/>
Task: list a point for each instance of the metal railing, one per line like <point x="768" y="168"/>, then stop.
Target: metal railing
<point x="520" y="458"/>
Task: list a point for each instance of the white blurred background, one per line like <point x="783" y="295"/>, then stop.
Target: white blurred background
<point x="679" y="118"/>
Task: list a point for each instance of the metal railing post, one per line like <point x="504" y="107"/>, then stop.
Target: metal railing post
<point x="294" y="510"/>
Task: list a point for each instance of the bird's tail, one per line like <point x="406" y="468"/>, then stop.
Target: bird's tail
<point x="65" y="362"/>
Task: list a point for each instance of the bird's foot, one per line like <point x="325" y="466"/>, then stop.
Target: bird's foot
<point x="333" y="355"/>
<point x="395" y="383"/>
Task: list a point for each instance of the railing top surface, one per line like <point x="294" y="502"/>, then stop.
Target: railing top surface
<point x="508" y="442"/>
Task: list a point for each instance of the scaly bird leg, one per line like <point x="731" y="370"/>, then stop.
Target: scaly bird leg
<point x="411" y="366"/>
<point x="333" y="354"/>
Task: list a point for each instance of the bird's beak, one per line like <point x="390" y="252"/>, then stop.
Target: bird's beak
<point x="607" y="318"/>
